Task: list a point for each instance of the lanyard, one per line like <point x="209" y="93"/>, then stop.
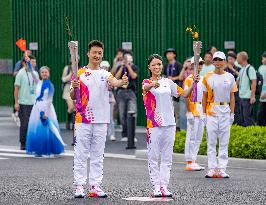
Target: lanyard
<point x="29" y="79"/>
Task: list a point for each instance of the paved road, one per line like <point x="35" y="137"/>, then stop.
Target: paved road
<point x="49" y="181"/>
<point x="27" y="180"/>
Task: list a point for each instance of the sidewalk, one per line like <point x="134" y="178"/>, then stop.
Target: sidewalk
<point x="9" y="135"/>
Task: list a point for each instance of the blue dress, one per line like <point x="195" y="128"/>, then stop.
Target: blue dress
<point x="43" y="136"/>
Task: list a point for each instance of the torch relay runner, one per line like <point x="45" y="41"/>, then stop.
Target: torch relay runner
<point x="195" y="126"/>
<point x="90" y="90"/>
<point x="218" y="114"/>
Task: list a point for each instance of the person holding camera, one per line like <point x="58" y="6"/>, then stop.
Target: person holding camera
<point x="126" y="95"/>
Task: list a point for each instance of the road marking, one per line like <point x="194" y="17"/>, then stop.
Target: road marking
<point x="161" y="199"/>
<point x="3" y="158"/>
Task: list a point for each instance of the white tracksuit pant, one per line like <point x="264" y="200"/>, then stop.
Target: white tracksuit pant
<point x="160" y="142"/>
<point x="218" y="127"/>
<point x="90" y="141"/>
<point x="193" y="139"/>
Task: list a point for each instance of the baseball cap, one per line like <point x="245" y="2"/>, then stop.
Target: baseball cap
<point x="170" y="50"/>
<point x="219" y="54"/>
<point x="105" y="64"/>
<point x="192" y="60"/>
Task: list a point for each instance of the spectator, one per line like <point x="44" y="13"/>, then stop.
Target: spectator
<point x="212" y="49"/>
<point x="207" y="66"/>
<point x="188" y="70"/>
<point x="234" y="70"/>
<point x="247" y="81"/>
<point x="126" y="95"/>
<point x="117" y="60"/>
<point x="66" y="81"/>
<point x="262" y="109"/>
<point x="111" y="126"/>
<point x="185" y="72"/>
<point x="19" y="65"/>
<point x="24" y="95"/>
<point x="172" y="71"/>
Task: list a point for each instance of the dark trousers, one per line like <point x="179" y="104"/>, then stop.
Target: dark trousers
<point x="127" y="101"/>
<point x="262" y="114"/>
<point x="24" y="115"/>
<point x="246" y="112"/>
<point x="237" y="109"/>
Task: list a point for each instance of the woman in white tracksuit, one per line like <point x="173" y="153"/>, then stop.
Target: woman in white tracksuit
<point x="157" y="96"/>
<point x="195" y="126"/>
<point x="218" y="114"/>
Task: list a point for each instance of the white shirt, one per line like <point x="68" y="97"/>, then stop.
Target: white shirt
<point x="95" y="107"/>
<point x="159" y="104"/>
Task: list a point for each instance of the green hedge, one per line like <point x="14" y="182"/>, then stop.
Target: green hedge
<point x="7" y="89"/>
<point x="245" y="142"/>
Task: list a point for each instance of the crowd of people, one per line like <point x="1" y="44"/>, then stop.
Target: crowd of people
<point x="225" y="89"/>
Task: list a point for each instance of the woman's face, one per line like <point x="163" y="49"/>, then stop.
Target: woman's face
<point x="45" y="74"/>
<point x="156" y="66"/>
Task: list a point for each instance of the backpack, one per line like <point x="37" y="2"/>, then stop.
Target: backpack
<point x="259" y="81"/>
<point x="64" y="84"/>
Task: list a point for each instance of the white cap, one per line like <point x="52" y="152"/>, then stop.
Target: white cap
<point x="105" y="64"/>
<point x="192" y="60"/>
<point x="219" y="54"/>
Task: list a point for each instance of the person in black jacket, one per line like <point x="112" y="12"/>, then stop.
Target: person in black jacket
<point x="172" y="71"/>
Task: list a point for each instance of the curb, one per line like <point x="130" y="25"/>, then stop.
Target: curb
<point x="202" y="159"/>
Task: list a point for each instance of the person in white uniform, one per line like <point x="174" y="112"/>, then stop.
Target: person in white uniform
<point x="195" y="126"/>
<point x="218" y="114"/>
<point x="92" y="117"/>
<point x="161" y="127"/>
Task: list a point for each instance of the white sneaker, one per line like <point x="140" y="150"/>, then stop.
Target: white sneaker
<point x="135" y="139"/>
<point x="223" y="174"/>
<point x="97" y="192"/>
<point x="211" y="174"/>
<point x="112" y="138"/>
<point x="193" y="167"/>
<point x="79" y="192"/>
<point x="124" y="139"/>
<point x="156" y="193"/>
<point x="166" y="192"/>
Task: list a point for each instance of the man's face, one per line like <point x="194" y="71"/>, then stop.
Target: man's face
<point x="208" y="59"/>
<point x="239" y="59"/>
<point x="170" y="56"/>
<point x="219" y="63"/>
<point x="119" y="55"/>
<point x="231" y="60"/>
<point x="95" y="55"/>
<point x="33" y="62"/>
<point x="263" y="60"/>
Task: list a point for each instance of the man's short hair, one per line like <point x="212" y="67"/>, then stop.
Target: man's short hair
<point x="95" y="43"/>
<point x="208" y="53"/>
<point x="244" y="55"/>
<point x="232" y="55"/>
<point x="32" y="57"/>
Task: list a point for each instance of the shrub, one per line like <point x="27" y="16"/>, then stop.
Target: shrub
<point x="245" y="142"/>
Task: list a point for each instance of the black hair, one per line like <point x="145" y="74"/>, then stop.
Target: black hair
<point x="95" y="43"/>
<point x="32" y="57"/>
<point x="231" y="55"/>
<point x="151" y="57"/>
<point x="208" y="53"/>
<point x="120" y="50"/>
<point x="264" y="54"/>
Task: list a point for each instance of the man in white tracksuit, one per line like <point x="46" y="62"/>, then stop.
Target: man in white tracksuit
<point x="195" y="126"/>
<point x="92" y="117"/>
<point x="218" y="114"/>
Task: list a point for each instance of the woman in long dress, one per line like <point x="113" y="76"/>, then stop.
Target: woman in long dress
<point x="43" y="137"/>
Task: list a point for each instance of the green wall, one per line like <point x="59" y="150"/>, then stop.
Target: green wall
<point x="5" y="29"/>
<point x="151" y="25"/>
